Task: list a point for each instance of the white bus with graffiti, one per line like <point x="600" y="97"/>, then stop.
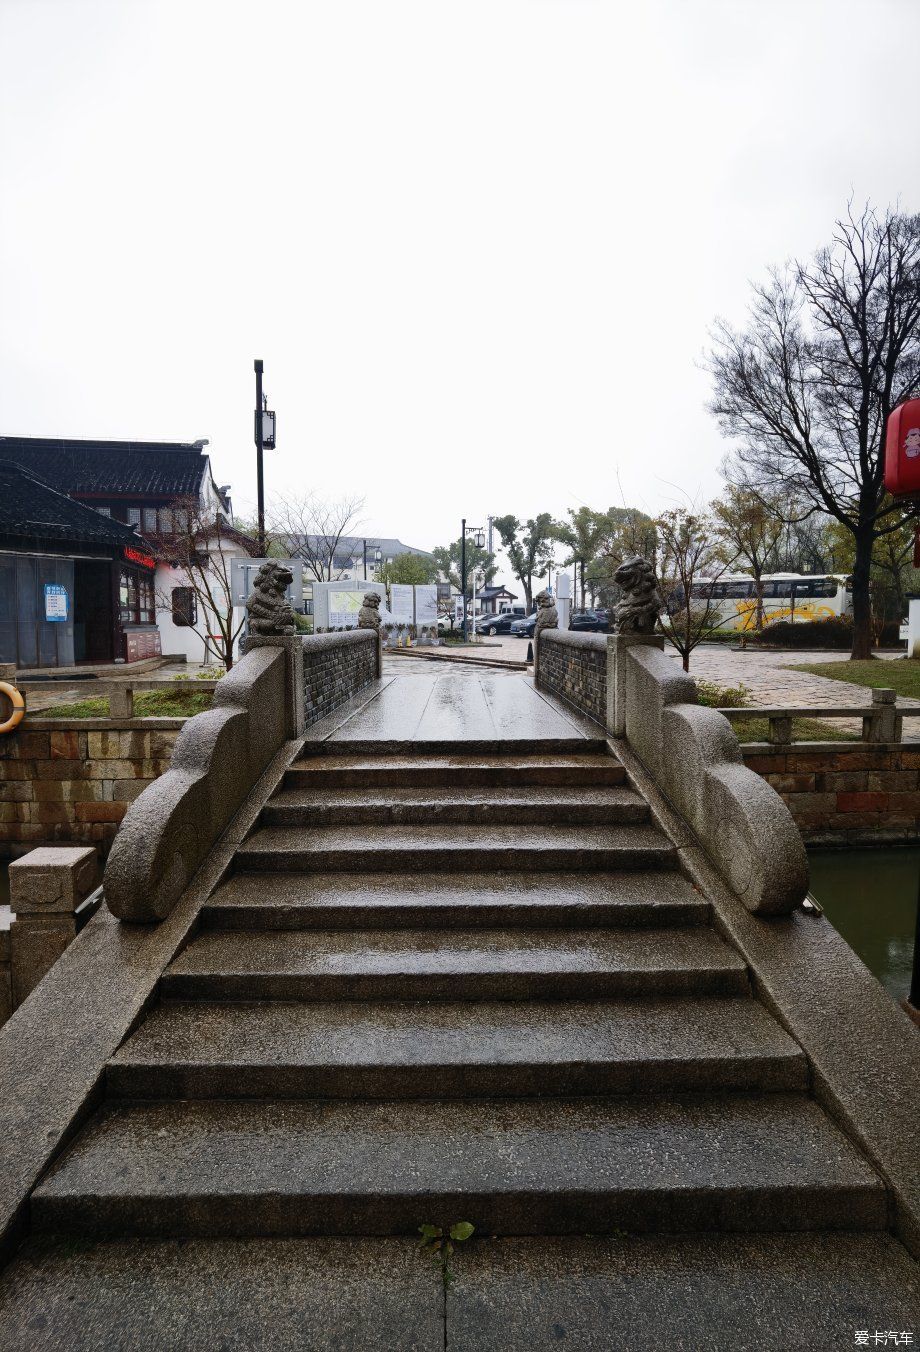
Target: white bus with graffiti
<point x="795" y="597"/>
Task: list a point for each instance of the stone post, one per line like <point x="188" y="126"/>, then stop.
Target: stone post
<point x="884" y="723"/>
<point x="295" y="716"/>
<point x="121" y="701"/>
<point x="617" y="647"/>
<point x="46" y="887"/>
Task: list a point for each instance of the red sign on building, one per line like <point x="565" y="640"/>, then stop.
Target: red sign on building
<point x="138" y="556"/>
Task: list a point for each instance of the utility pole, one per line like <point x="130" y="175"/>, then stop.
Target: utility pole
<point x="463" y="571"/>
<point x="260" y="477"/>
<point x="490" y="520"/>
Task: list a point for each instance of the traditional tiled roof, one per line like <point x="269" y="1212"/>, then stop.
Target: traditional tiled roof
<point x="33" y="511"/>
<point x="487" y="592"/>
<point x="117" y="468"/>
<point x="352" y="546"/>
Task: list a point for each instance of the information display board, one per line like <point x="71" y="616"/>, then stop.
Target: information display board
<point x="343" y="608"/>
<point x="426" y="605"/>
<point x="402" y="606"/>
<point x="57" y="603"/>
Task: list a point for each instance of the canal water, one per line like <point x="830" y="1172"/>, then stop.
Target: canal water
<point x="870" y="897"/>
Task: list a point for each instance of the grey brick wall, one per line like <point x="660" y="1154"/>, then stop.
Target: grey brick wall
<point x="335" y="667"/>
<point x="574" y="667"/>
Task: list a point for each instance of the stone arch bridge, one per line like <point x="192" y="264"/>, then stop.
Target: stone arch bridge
<point x="391" y="950"/>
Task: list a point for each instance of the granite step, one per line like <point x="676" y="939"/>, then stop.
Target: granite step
<point x="505" y="746"/>
<point x="457" y="965"/>
<point x="442" y="848"/>
<point x="286" y="901"/>
<point x="488" y="807"/>
<point x="509" y="1166"/>
<point x="775" y="1292"/>
<point x="396" y="1050"/>
<point x="453" y="772"/>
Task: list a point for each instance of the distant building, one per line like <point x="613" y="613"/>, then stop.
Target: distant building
<point x="67" y="578"/>
<point x="148" y="487"/>
<point x="495" y="600"/>
<point x="327" y="559"/>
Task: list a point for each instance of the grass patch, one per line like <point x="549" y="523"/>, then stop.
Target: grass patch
<point x="876" y="674"/>
<point x="147" y="704"/>
<point x="755" y="729"/>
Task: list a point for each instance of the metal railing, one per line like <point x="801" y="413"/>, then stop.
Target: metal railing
<point x="882" y="721"/>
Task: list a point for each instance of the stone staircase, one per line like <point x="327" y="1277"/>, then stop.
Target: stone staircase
<point x="454" y="983"/>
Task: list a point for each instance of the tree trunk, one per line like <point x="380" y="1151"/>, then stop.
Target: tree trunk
<point x="862" y="611"/>
<point x="528" y="596"/>
<point x="758" y="589"/>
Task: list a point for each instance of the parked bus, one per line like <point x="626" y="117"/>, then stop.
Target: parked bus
<point x="786" y="596"/>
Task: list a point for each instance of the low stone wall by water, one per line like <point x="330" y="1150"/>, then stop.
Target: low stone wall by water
<point x="574" y="667"/>
<point x="845" y="793"/>
<point x="71" y="780"/>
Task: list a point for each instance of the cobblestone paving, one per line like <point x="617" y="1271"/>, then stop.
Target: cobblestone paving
<point x="765" y="676"/>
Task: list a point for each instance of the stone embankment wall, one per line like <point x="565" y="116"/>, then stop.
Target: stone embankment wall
<point x="574" y="667"/>
<point x="845" y="794"/>
<point x="335" y="667"/>
<point x="71" y="780"/>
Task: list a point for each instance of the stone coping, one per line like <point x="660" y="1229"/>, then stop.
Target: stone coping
<point x="574" y="639"/>
<point x="39" y="724"/>
<point x="820" y="748"/>
<point x="318" y="643"/>
<point x="54" y="1048"/>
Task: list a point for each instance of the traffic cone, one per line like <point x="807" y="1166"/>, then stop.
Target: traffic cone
<point x="530" y="652"/>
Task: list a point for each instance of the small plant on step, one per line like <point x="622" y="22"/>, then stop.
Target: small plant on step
<point x="441" y="1245"/>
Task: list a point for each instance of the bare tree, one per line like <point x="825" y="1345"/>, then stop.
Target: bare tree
<point x="688" y="559"/>
<point x="316" y="530"/>
<point x="199" y="547"/>
<point x="831" y="346"/>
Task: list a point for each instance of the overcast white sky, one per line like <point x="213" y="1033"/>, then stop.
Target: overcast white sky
<point x="478" y="243"/>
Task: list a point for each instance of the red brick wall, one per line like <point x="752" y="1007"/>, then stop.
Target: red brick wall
<point x="846" y="794"/>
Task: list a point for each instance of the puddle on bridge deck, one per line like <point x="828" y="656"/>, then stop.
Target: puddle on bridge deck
<point x="870" y="897"/>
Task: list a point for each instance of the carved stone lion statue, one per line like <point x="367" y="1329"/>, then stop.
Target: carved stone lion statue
<point x="547" y="615"/>
<point x="268" y="608"/>
<point x="369" y="614"/>
<point x="637" y="612"/>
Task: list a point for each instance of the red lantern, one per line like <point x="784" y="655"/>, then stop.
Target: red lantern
<point x="902" y="450"/>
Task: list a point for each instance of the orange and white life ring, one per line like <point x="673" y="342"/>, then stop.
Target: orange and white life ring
<point x="19" y="706"/>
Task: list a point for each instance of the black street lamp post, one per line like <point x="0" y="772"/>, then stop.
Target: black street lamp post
<point x="377" y="557"/>
<point x="265" y="438"/>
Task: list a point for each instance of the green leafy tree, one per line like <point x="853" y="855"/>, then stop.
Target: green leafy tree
<point x="447" y="562"/>
<point x="411" y="569"/>
<point x="748" y="528"/>
<point x="529" y="546"/>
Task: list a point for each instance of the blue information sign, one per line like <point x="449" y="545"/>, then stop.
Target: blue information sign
<point x="57" y="603"/>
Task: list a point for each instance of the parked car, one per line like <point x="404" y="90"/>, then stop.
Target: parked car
<point x="495" y="624"/>
<point x="588" y="622"/>
<point x="524" y="628"/>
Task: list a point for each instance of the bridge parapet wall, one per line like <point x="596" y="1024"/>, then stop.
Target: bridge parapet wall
<point x="574" y="667"/>
<point x="278" y="686"/>
<point x="627" y="684"/>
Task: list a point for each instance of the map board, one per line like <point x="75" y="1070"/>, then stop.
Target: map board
<point x="343" y="608"/>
